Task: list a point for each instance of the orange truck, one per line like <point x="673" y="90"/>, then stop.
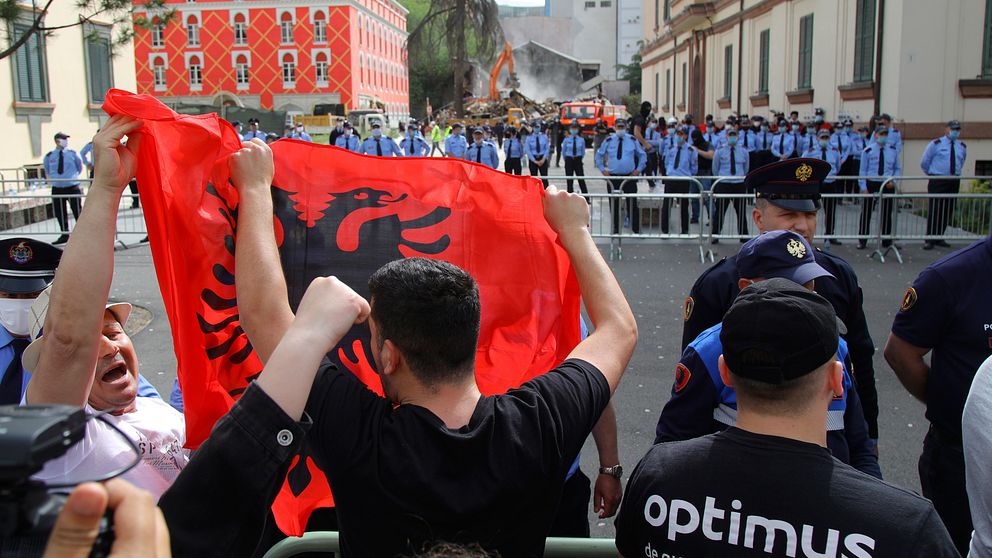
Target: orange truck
<point x="587" y="113"/>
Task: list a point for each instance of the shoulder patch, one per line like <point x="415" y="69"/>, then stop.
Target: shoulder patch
<point x="682" y="377"/>
<point x="908" y="300"/>
<point x="687" y="308"/>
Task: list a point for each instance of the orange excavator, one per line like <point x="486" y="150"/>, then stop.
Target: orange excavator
<point x="505" y="59"/>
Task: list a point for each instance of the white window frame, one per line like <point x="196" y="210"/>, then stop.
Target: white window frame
<point x="158" y="35"/>
<point x="327" y="69"/>
<point x="189" y="70"/>
<point x="282" y="68"/>
<point x="193" y="32"/>
<point x="282" y="28"/>
<point x="237" y="71"/>
<point x="319" y="38"/>
<point x="152" y="58"/>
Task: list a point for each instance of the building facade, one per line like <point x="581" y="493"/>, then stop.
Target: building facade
<point x="57" y="83"/>
<point x="273" y="54"/>
<point x="630" y="29"/>
<point x="593" y="31"/>
<point x="923" y="62"/>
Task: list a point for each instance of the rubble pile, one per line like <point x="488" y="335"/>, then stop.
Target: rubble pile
<point x="476" y="107"/>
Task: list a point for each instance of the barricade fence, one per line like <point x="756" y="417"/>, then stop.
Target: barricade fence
<point x="704" y="210"/>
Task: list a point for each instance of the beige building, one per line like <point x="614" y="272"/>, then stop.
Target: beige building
<point x="922" y="61"/>
<point x="57" y="84"/>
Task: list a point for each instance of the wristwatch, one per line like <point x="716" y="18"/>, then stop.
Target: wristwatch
<point x="615" y="471"/>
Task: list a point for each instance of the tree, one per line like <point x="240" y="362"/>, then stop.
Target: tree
<point x="465" y="28"/>
<point x="119" y="12"/>
<point x="632" y="72"/>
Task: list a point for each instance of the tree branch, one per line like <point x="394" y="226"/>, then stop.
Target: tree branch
<point x="35" y="26"/>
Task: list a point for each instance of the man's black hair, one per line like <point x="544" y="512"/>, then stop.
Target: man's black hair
<point x="430" y="310"/>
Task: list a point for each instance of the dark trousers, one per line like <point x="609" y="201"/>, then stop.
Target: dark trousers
<point x="739" y="204"/>
<point x="676" y="188"/>
<point x="133" y="186"/>
<point x="436" y="147"/>
<point x="651" y="168"/>
<point x="941" y="210"/>
<point x="573" y="167"/>
<point x="513" y="166"/>
<point x="59" y="205"/>
<point x="542" y="170"/>
<point x="885" y="212"/>
<point x="572" y="517"/>
<point x="558" y="151"/>
<point x="830" y="205"/>
<point x="851" y="167"/>
<point x="633" y="211"/>
<point x="942" y="480"/>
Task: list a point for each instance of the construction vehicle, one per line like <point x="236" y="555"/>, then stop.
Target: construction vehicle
<point x="505" y="59"/>
<point x="515" y="117"/>
<point x="587" y="113"/>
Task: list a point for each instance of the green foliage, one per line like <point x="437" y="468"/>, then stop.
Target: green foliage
<point x="632" y="102"/>
<point x="632" y="72"/>
<point x="430" y="70"/>
<point x="974" y="214"/>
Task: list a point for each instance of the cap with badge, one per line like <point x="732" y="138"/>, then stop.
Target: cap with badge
<point x="783" y="254"/>
<point x="823" y="133"/>
<point x="954" y="125"/>
<point x="27" y="265"/>
<point x="60" y="135"/>
<point x="794" y="328"/>
<point x="793" y="184"/>
<point x="120" y="310"/>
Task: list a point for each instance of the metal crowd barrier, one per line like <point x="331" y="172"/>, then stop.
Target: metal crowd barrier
<point x="555" y="547"/>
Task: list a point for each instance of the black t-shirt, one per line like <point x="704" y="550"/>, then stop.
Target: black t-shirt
<point x="402" y="479"/>
<point x="639" y="120"/>
<point x="741" y="494"/>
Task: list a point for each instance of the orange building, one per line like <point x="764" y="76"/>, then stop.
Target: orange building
<point x="270" y="54"/>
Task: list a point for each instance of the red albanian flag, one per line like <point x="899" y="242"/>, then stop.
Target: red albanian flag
<point x="343" y="214"/>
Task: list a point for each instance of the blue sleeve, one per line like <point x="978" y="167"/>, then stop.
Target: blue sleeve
<point x="689" y="412"/>
<point x="146" y="389"/>
<point x="863" y="170"/>
<point x="862" y="447"/>
<point x="717" y="168"/>
<point x="897" y="168"/>
<point x="642" y="157"/>
<point x="747" y="164"/>
<point x="694" y="162"/>
<point x="176" y="397"/>
<point x="600" y="163"/>
<point x="928" y="157"/>
<point x="49" y="164"/>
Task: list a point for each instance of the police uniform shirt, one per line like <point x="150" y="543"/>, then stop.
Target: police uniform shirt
<point x="702" y="404"/>
<point x="841" y="141"/>
<point x="574" y="146"/>
<point x="414" y="146"/>
<point x="936" y="159"/>
<point x="372" y="145"/>
<point x="745" y="139"/>
<point x="716" y="289"/>
<point x="784" y="144"/>
<point x="722" y="166"/>
<point x="763" y="140"/>
<point x="350" y="143"/>
<point x="455" y="145"/>
<point x="895" y="139"/>
<point x="537" y="146"/>
<point x="858" y="145"/>
<point x="251" y="135"/>
<point x="688" y="161"/>
<point x="72" y="165"/>
<point x="828" y="154"/>
<point x="513" y="148"/>
<point x="948" y="310"/>
<point x="870" y="159"/>
<point x="748" y="495"/>
<point x="483" y="153"/>
<point x="653" y="137"/>
<point x="632" y="155"/>
<point x="303" y="136"/>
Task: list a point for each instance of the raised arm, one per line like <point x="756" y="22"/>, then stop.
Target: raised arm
<point x="262" y="295"/>
<point x="74" y="324"/>
<point x="612" y="342"/>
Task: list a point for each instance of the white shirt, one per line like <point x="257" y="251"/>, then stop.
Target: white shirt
<point x="977" y="452"/>
<point x="159" y="432"/>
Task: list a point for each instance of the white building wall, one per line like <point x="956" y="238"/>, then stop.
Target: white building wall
<point x="629" y="29"/>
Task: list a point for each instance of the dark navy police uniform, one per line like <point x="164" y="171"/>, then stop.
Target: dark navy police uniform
<point x="948" y="310"/>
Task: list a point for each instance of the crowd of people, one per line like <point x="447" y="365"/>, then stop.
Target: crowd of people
<point x="774" y="392"/>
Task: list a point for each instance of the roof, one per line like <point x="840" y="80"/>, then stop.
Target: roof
<point x="557" y="53"/>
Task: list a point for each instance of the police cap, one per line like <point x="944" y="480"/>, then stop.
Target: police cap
<point x="26" y="265"/>
<point x="793" y="329"/>
<point x="954" y="125"/>
<point x="793" y="184"/>
<point x="782" y="254"/>
<point x="823" y="133"/>
<point x="60" y="135"/>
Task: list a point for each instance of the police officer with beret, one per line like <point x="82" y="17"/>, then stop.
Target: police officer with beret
<point x="948" y="312"/>
<point x="702" y="404"/>
<point x="788" y="198"/>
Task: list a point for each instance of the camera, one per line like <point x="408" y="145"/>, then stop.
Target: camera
<point x="30" y="436"/>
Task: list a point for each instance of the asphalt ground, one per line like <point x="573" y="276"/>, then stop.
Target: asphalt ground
<point x="656" y="277"/>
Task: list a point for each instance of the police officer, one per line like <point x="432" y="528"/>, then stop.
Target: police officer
<point x="946" y="311"/>
<point x="763" y="139"/>
<point x="944" y="156"/>
<point x="843" y="141"/>
<point x="622" y="156"/>
<point x="481" y="151"/>
<point x="680" y="160"/>
<point x="413" y="144"/>
<point x="824" y="151"/>
<point x="730" y="160"/>
<point x="859" y="141"/>
<point x="878" y="159"/>
<point x="654" y="138"/>
<point x="299" y="133"/>
<point x="787" y="198"/>
<point x="514" y="151"/>
<point x="62" y="167"/>
<point x="895" y="138"/>
<point x="337" y="132"/>
<point x="456" y="144"/>
<point x="348" y="140"/>
<point x="378" y="145"/>
<point x="27" y="267"/>
<point x="253" y="131"/>
<point x="574" y="149"/>
<point x="538" y="150"/>
<point x="784" y="144"/>
<point x="702" y="404"/>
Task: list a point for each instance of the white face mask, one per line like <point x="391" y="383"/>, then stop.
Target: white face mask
<point x="15" y="315"/>
<point x="63" y="143"/>
<point x="377" y="133"/>
<point x="347" y="133"/>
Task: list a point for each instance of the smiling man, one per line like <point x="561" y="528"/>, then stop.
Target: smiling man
<point x="86" y="359"/>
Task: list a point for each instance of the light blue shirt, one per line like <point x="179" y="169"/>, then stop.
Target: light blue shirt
<point x="538" y="146"/>
<point x="300" y="136"/>
<point x="653" y="137"/>
<point x="763" y="140"/>
<point x="86" y="154"/>
<point x="688" y="161"/>
<point x="828" y="154"/>
<point x="784" y="144"/>
<point x="632" y="155"/>
<point x="858" y="144"/>
<point x="895" y="139"/>
<point x="574" y="146"/>
<point x="842" y="142"/>
<point x="484" y="153"/>
<point x="252" y="135"/>
<point x="455" y="145"/>
<point x="513" y="148"/>
<point x="936" y="159"/>
<point x="72" y="165"/>
<point x="415" y="146"/>
<point x="388" y="146"/>
<point x="746" y="140"/>
<point x="722" y="166"/>
<point x="350" y="143"/>
<point x="869" y="163"/>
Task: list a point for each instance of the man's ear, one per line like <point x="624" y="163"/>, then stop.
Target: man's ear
<point x="724" y="372"/>
<point x="835" y="378"/>
<point x="389" y="357"/>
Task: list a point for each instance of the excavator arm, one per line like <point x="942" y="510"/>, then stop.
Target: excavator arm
<point x="505" y="59"/>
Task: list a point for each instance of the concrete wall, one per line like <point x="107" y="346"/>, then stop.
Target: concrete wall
<point x="28" y="128"/>
<point x="594" y="31"/>
<point x="555" y="32"/>
<point x="629" y="29"/>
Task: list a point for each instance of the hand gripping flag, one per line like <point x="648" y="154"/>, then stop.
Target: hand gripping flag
<point x="345" y="214"/>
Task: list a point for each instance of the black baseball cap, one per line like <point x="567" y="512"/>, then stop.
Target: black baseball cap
<point x="795" y="327"/>
<point x="793" y="184"/>
<point x="27" y="265"/>
<point x="376" y="124"/>
<point x="60" y="135"/>
<point x="783" y="254"/>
